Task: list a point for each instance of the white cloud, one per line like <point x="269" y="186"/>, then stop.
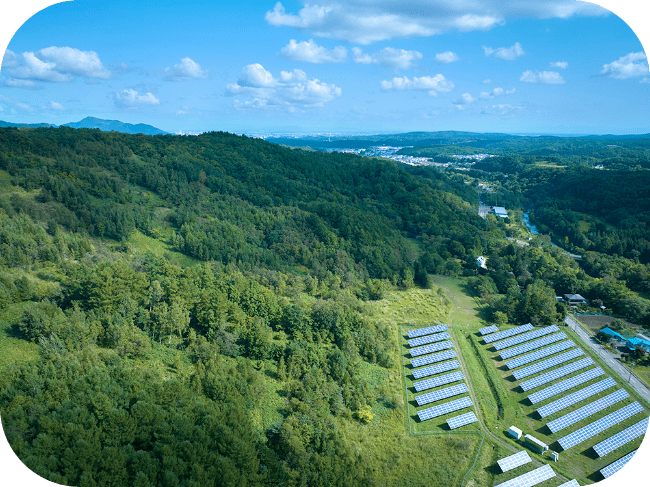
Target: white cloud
<point x="486" y="81"/>
<point x="446" y="57"/>
<point x="388" y="57"/>
<point x="291" y="89"/>
<point x="186" y="69"/>
<point x="20" y="83"/>
<point x="486" y="95"/>
<point x="53" y="106"/>
<point x="254" y="75"/>
<point x="501" y="109"/>
<point x="16" y="103"/>
<point x="560" y="64"/>
<point x="465" y="99"/>
<point x="74" y="62"/>
<point x="10" y="59"/>
<point x="364" y="22"/>
<point x="132" y="99"/>
<point x="546" y="77"/>
<point x="310" y="52"/>
<point x="508" y="53"/>
<point x="432" y="84"/>
<point x="629" y="66"/>
<point x="54" y="64"/>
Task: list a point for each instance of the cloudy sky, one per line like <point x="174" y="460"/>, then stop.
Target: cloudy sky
<point x="353" y="66"/>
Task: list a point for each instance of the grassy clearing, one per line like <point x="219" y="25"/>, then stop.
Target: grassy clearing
<point x="415" y="306"/>
<point x="13" y="348"/>
<point x="159" y="248"/>
<point x="465" y="310"/>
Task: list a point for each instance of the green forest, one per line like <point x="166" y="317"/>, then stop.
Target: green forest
<point x="198" y="310"/>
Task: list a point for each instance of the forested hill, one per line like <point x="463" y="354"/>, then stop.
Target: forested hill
<point x="239" y="200"/>
<point x="193" y="310"/>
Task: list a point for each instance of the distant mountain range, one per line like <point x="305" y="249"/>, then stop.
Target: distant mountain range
<point x="97" y="123"/>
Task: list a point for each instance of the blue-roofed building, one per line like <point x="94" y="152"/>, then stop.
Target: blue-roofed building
<point x="613" y="334"/>
<point x="633" y="342"/>
<point x="500" y="211"/>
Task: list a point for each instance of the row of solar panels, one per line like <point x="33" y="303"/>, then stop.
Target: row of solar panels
<point x="604" y="447"/>
<point x="437" y="339"/>
<point x="530" y="478"/>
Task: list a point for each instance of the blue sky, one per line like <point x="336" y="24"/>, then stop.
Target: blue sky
<point x="553" y="66"/>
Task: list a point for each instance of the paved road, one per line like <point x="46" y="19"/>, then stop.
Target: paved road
<point x="609" y="358"/>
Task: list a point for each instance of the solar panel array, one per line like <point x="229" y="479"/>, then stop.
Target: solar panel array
<point x="555" y="374"/>
<point x="429" y="339"/>
<point x="565" y="385"/>
<point x="462" y="420"/>
<point x="620" y="439"/>
<point x="441" y="394"/>
<point x="527" y="347"/>
<point x="514" y="461"/>
<point x="489" y="329"/>
<point x="433" y="347"/>
<point x="600" y="425"/>
<point x="448" y="407"/>
<point x="575" y="397"/>
<point x="531" y="478"/>
<point x="430" y="359"/>
<point x="545" y="364"/>
<point x="588" y="410"/>
<point x="525" y="337"/>
<point x="570" y="483"/>
<point x="539" y="354"/>
<point x="436" y="369"/>
<point x="614" y="467"/>
<point x="426" y="331"/>
<point x="438" y="381"/>
<point x="508" y="333"/>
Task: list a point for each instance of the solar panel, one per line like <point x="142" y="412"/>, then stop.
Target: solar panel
<point x="555" y="374"/>
<point x="462" y="420"/>
<point x="488" y="329"/>
<point x="436" y="369"/>
<point x="539" y="354"/>
<point x="588" y="410"/>
<point x="429" y="339"/>
<point x="433" y="347"/>
<point x="565" y="385"/>
<point x="570" y="483"/>
<point x="620" y="439"/>
<point x="614" y="467"/>
<point x="525" y="337"/>
<point x="514" y="461"/>
<point x="430" y="359"/>
<point x="438" y="381"/>
<point x="448" y="407"/>
<point x="527" y="347"/>
<point x="426" y="331"/>
<point x="441" y="394"/>
<point x="575" y="397"/>
<point x="545" y="364"/>
<point x="600" y="425"/>
<point x="531" y="478"/>
<point x="508" y="333"/>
